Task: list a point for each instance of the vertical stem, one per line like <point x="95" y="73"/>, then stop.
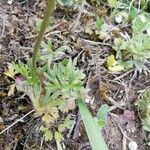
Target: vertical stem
<point x="48" y="11"/>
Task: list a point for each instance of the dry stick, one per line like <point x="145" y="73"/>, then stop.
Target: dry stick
<point x="124" y="142"/>
<point x="79" y="16"/>
<point x="120" y="127"/>
<point x="96" y="43"/>
<point x="3" y="29"/>
<point x="18" y="120"/>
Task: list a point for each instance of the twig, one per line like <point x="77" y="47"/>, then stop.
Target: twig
<point x="75" y="24"/>
<point x="123" y="75"/>
<point x="133" y="77"/>
<point x="3" y="29"/>
<point x="41" y="144"/>
<point x="124" y="142"/>
<point x="18" y="120"/>
<point x="76" y="129"/>
<point x="120" y="127"/>
<point x="115" y="103"/>
<point x="29" y="134"/>
<point x="142" y="91"/>
<point x="31" y="36"/>
<point x="96" y="43"/>
<point x="50" y="32"/>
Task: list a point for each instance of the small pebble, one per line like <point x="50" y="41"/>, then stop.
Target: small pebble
<point x="10" y="2"/>
<point x="118" y="19"/>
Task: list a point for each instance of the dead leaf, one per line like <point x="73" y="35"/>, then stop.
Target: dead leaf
<point x="88" y="30"/>
<point x="68" y="105"/>
<point x="10" y="72"/>
<point x="2" y="94"/>
<point x="51" y="115"/>
<point x="11" y="90"/>
<point x="47" y="118"/>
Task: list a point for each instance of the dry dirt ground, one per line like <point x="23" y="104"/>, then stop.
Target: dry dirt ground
<point x="119" y="91"/>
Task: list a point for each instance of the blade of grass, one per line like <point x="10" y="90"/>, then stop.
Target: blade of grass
<point x="94" y="134"/>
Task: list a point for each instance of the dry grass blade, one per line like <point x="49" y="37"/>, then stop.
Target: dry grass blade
<point x="18" y="120"/>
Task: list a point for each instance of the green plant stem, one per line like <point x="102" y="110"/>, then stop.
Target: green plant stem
<point x="48" y="11"/>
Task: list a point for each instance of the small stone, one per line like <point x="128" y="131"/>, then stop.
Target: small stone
<point x="133" y="145"/>
<point x="10" y="2"/>
<point x="118" y="19"/>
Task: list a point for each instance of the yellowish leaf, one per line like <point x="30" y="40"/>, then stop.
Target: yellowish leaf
<point x="58" y="136"/>
<point x="54" y="112"/>
<point x="88" y="30"/>
<point x="116" y="68"/>
<point x="111" y="61"/>
<point x="2" y="94"/>
<point x="11" y="90"/>
<point x="43" y="129"/>
<point x="112" y="64"/>
<point x="51" y="115"/>
<point x="48" y="118"/>
<point x="48" y="135"/>
<point x="112" y="3"/>
<point x="10" y="72"/>
<point x="61" y="127"/>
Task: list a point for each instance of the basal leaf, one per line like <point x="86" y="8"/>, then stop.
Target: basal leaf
<point x="61" y="127"/>
<point x="99" y="23"/>
<point x="111" y="61"/>
<point x="112" y="3"/>
<point x="112" y="64"/>
<point x="102" y="115"/>
<point x="51" y="114"/>
<point x="58" y="136"/>
<point x="47" y="118"/>
<point x="48" y="135"/>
